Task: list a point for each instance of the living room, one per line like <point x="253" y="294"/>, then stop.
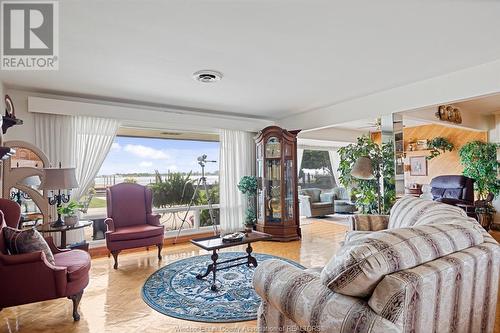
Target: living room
<point x="180" y="168"/>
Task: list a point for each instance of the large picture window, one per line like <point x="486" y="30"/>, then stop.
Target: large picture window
<point x="170" y="168"/>
<point x="316" y="170"/>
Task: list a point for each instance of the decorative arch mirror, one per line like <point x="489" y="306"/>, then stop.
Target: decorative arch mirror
<point x="22" y="174"/>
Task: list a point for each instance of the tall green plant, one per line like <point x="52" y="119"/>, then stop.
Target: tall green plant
<point x="365" y="191"/>
<point x="479" y="160"/>
<point x="175" y="189"/>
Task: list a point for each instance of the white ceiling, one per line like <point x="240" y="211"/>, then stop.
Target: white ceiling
<point x="278" y="57"/>
<point x="486" y="105"/>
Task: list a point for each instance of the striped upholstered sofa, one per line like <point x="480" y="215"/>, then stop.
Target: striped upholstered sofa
<point x="426" y="267"/>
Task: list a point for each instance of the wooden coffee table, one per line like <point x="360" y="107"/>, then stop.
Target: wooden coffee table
<point x="215" y="243"/>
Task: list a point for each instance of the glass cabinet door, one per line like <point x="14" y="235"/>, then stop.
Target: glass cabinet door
<point x="273" y="180"/>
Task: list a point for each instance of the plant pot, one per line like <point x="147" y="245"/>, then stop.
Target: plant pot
<point x="485" y="219"/>
<point x="70" y="220"/>
<point x="248" y="229"/>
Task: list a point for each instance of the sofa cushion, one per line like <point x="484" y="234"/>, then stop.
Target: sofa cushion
<point x="313" y="193"/>
<point x="77" y="263"/>
<point x="135" y="232"/>
<point x="26" y="241"/>
<point x="354" y="235"/>
<point x="360" y="265"/>
<point x="453" y="193"/>
<point x="437" y="192"/>
<point x="410" y="211"/>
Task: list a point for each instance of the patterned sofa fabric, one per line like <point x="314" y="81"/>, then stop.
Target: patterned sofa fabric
<point x="455" y="293"/>
<point x="410" y="211"/>
<point x="454" y="289"/>
<point x="294" y="300"/>
<point x="360" y="265"/>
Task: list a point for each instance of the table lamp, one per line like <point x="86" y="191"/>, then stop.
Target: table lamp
<point x="59" y="179"/>
<point x="363" y="169"/>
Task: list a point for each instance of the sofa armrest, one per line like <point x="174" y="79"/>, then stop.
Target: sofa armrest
<point x="364" y="222"/>
<point x="52" y="245"/>
<point x="13" y="269"/>
<point x="153" y="219"/>
<point x="19" y="259"/>
<point x="110" y="224"/>
<point x="302" y="298"/>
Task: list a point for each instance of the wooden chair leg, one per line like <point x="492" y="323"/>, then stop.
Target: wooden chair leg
<point x="115" y="256"/>
<point x="160" y="246"/>
<point x="76" y="302"/>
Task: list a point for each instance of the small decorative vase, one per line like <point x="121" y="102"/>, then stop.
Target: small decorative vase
<point x="248" y="229"/>
<point x="70" y="220"/>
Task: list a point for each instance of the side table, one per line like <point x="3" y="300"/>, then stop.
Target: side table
<point x="48" y="228"/>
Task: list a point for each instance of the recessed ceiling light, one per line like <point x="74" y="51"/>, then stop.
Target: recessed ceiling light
<point x="207" y="76"/>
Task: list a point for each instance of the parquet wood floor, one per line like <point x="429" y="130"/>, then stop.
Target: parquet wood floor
<point x="112" y="301"/>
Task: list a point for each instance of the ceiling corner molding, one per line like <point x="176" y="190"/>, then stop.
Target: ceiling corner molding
<point x="133" y="115"/>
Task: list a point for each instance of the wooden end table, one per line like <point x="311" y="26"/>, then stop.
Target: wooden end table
<point x="48" y="228"/>
<point x="215" y="243"/>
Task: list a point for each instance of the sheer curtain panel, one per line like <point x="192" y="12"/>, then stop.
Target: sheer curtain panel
<point x="237" y="159"/>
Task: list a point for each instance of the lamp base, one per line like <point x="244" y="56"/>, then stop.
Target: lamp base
<point x="59" y="223"/>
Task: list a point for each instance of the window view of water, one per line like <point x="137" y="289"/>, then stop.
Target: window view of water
<point x="169" y="167"/>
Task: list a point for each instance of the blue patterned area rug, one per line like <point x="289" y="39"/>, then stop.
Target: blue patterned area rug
<point x="175" y="291"/>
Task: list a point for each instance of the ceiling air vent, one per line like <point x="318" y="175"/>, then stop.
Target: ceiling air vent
<point x="207" y="76"/>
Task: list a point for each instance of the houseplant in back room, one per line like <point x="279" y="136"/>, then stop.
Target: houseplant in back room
<point x="365" y="191"/>
<point x="248" y="186"/>
<point x="479" y="160"/>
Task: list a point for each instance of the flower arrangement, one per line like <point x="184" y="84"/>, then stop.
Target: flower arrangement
<point x="248" y="186"/>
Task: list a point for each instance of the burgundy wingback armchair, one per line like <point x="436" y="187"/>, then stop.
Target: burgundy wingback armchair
<point x="29" y="277"/>
<point x="130" y="221"/>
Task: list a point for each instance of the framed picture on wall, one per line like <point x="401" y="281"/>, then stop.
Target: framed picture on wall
<point x="418" y="166"/>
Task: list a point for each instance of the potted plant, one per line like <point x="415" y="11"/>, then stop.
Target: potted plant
<point x="480" y="163"/>
<point x="438" y="145"/>
<point x="248" y="186"/>
<point x="70" y="212"/>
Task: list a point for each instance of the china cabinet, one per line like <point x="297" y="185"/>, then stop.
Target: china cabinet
<point x="277" y="196"/>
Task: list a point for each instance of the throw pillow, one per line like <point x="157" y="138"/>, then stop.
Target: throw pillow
<point x="361" y="264"/>
<point x="26" y="241"/>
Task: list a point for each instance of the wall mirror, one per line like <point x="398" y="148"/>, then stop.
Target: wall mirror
<point x="22" y="174"/>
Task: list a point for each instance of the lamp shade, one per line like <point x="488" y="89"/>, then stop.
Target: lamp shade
<point x="362" y="168"/>
<point x="59" y="179"/>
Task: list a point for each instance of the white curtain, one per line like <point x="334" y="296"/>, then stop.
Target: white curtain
<point x="335" y="162"/>
<point x="54" y="135"/>
<point x="75" y="141"/>
<point x="300" y="154"/>
<point x="94" y="137"/>
<point x="237" y="159"/>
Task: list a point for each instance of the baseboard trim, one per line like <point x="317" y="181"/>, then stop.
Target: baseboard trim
<point x="102" y="251"/>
